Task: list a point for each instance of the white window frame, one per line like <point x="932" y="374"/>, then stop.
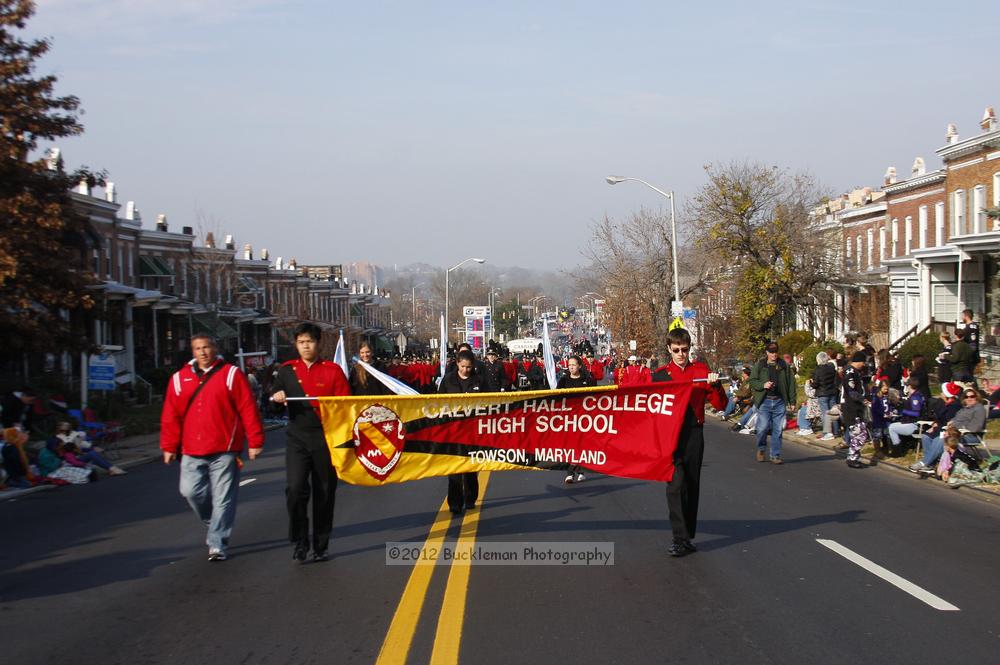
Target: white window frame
<point x="871" y="246"/>
<point x="958" y="213"/>
<point x="860" y="252"/>
<point x="978" y="204"/>
<point x="996" y="190"/>
<point x="895" y="237"/>
<point x="881" y="244"/>
<point x="922" y="222"/>
<point x="939" y="224"/>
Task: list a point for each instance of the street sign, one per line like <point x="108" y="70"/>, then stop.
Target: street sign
<point x="632" y="345"/>
<point x="676" y="323"/>
<point x="676" y="308"/>
<point x="101" y="372"/>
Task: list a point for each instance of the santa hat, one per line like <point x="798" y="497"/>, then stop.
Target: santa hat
<point x="950" y="389"/>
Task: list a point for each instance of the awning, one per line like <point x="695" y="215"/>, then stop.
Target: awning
<point x="213" y="325"/>
<point x="154" y="266"/>
<point x="114" y="289"/>
<point x="247" y="285"/>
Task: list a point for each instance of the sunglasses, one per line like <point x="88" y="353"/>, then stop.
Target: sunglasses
<point x="971" y="396"/>
<point x="684" y="349"/>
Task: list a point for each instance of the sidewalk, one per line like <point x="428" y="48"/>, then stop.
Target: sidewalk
<point x="131" y="451"/>
<point x="989" y="493"/>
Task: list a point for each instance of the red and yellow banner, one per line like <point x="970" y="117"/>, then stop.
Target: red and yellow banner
<point x="628" y="432"/>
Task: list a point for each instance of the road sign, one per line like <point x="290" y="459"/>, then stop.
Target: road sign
<point x="101" y="372"/>
<point x="676" y="308"/>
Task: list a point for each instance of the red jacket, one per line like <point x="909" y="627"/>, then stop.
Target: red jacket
<point x="634" y="375"/>
<point x="221" y="418"/>
<point x="595" y="368"/>
<point x="699" y="391"/>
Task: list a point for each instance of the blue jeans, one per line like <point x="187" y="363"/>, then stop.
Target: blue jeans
<point x="730" y="407"/>
<point x="897" y="430"/>
<point x="934" y="446"/>
<point x="94" y="457"/>
<point x="745" y="418"/>
<point x="826" y="403"/>
<point x="210" y="484"/>
<point x="802" y="419"/>
<point x="771" y="416"/>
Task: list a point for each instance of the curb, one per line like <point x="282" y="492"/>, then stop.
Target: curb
<point x="13" y="495"/>
<point x="978" y="493"/>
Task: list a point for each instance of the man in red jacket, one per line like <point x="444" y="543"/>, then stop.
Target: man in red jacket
<point x="683" y="490"/>
<point x="307" y="457"/>
<point x="208" y="413"/>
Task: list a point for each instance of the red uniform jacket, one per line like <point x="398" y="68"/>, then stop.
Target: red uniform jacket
<point x="700" y="391"/>
<point x="221" y="418"/>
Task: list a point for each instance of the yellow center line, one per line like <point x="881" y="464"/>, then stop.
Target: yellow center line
<point x="448" y="637"/>
<point x="397" y="642"/>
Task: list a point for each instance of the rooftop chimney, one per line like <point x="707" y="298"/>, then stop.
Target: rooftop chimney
<point x="109" y="193"/>
<point x="247" y="253"/>
<point x="83" y="187"/>
<point x="210" y="240"/>
<point x="229" y="242"/>
<point x="53" y="160"/>
<point x="292" y="264"/>
<point x="951" y="137"/>
<point x="989" y="121"/>
<point x="890" y="175"/>
<point x="278" y="264"/>
<point x="161" y="223"/>
<point x="263" y="254"/>
<point x="919" y="168"/>
<point x="131" y="212"/>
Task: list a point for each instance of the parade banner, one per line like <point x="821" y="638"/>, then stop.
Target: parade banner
<point x="627" y="432"/>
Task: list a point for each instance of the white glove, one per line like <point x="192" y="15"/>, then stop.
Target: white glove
<point x="713" y="377"/>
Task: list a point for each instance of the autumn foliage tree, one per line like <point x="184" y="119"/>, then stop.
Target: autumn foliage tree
<point x="756" y="218"/>
<point x="43" y="276"/>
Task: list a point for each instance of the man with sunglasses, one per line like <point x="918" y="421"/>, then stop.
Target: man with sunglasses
<point x="684" y="488"/>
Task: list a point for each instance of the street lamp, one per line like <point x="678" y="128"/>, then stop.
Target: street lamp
<point x="413" y="303"/>
<point x="447" y="309"/>
<point x="614" y="180"/>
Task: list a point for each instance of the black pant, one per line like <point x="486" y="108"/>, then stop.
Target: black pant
<point x="684" y="488"/>
<point x="307" y="462"/>
<point x="463" y="491"/>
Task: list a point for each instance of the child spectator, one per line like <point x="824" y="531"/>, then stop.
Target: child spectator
<point x="883" y="413"/>
<point x="72" y="455"/>
<point x="51" y="465"/>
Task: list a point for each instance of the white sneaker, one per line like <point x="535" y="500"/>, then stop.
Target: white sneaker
<point x="746" y="430"/>
<point x="827" y="437"/>
<point x="805" y="432"/>
<point x="569" y="479"/>
<point x="918" y="467"/>
<point x="216" y="555"/>
<point x="579" y="477"/>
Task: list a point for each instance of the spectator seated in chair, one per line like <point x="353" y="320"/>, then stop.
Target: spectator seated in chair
<point x="971" y="417"/>
<point x="72" y="455"/>
<point x="52" y="465"/>
<point x="953" y="452"/>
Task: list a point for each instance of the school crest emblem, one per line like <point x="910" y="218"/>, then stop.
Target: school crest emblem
<point x="378" y="440"/>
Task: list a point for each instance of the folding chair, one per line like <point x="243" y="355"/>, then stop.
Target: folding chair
<point x="922" y="427"/>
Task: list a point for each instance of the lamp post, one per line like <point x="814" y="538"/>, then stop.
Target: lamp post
<point x="447" y="302"/>
<point x="413" y="304"/>
<point x="614" y="180"/>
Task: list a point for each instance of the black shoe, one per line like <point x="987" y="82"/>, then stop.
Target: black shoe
<point x="320" y="556"/>
<point x="299" y="553"/>
<point x="689" y="546"/>
<point x="678" y="549"/>
<point x="457" y="511"/>
<point x="855" y="464"/>
<point x="736" y="428"/>
<point x="470" y="505"/>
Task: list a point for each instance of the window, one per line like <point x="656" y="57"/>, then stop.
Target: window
<point x="922" y="217"/>
<point x="847" y="252"/>
<point x="881" y="244"/>
<point x="121" y="264"/>
<point x="131" y="263"/>
<point x="939" y="223"/>
<point x="860" y="250"/>
<point x="107" y="261"/>
<point x="871" y="243"/>
<point x="978" y="205"/>
<point x="895" y="237"/>
<point x="96" y="262"/>
<point x="908" y="233"/>
<point x="996" y="190"/>
<point x="958" y="213"/>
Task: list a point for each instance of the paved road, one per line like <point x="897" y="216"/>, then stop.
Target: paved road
<point x="116" y="572"/>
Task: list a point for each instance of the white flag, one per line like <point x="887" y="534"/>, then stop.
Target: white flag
<point x="340" y="356"/>
<point x="389" y="382"/>
<point x="550" y="363"/>
<point x="443" y="349"/>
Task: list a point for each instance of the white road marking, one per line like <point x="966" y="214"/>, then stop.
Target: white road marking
<point x="889" y="576"/>
<point x="247" y="481"/>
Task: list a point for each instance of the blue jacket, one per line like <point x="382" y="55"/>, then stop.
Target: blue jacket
<point x="881" y="410"/>
<point x="913" y="408"/>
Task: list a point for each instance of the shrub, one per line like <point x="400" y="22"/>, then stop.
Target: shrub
<point x="927" y="344"/>
<point x="793" y="342"/>
<point x="807" y="359"/>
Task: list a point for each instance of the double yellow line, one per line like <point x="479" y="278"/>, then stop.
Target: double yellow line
<point x="448" y="636"/>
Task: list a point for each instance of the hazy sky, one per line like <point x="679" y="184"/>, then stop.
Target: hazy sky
<point x="403" y="131"/>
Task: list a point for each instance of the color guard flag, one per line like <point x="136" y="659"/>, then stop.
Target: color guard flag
<point x="340" y="356"/>
<point x="628" y="432"/>
<point x="547" y="359"/>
